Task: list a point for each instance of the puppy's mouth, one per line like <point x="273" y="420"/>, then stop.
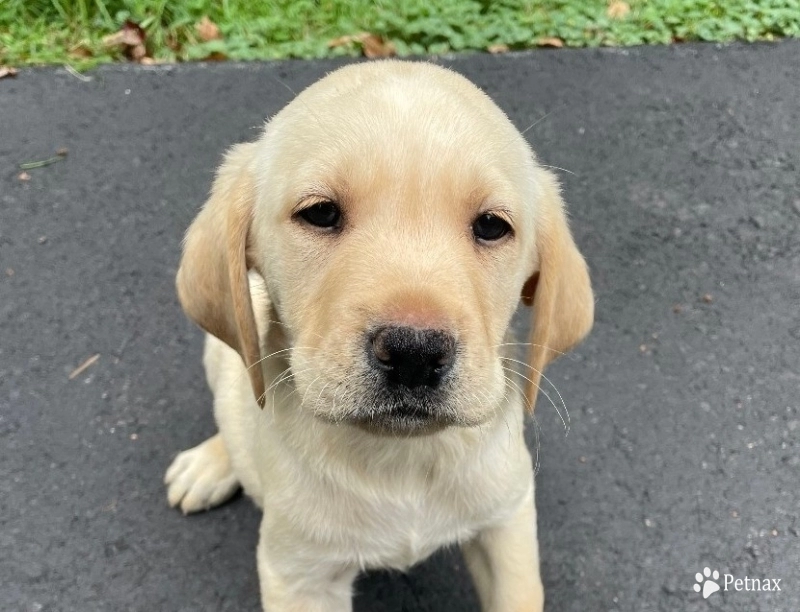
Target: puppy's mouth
<point x="399" y="419"/>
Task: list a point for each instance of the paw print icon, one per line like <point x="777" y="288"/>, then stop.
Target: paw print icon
<point x="706" y="582"/>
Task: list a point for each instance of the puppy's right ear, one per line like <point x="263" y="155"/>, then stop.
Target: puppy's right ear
<point x="212" y="278"/>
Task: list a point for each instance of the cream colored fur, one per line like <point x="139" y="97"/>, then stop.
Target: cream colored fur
<point x="412" y="153"/>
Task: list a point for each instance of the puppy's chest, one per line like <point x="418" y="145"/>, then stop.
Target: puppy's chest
<point x="396" y="527"/>
<point x="400" y="532"/>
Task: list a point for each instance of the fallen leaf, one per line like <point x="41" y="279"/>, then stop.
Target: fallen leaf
<point x="80" y="51"/>
<point x="130" y="34"/>
<point x="86" y="364"/>
<point x="376" y="46"/>
<point x="618" y="9"/>
<point x="24" y="176"/>
<point x="207" y="29"/>
<point x="131" y="38"/>
<point x="707" y="298"/>
<point x="215" y="56"/>
<point x="372" y="45"/>
<point x="550" y="41"/>
<point x="137" y="53"/>
<point x="62" y="151"/>
<point x="7" y="71"/>
<point x="497" y="49"/>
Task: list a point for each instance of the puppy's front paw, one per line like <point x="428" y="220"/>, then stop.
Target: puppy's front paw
<point x="201" y="477"/>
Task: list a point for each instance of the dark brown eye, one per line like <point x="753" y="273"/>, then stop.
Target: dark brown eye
<point x="490" y="227"/>
<point x="324" y="215"/>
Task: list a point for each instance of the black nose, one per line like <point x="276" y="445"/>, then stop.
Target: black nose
<point x="413" y="357"/>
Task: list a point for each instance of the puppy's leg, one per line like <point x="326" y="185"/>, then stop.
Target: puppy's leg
<point x="504" y="563"/>
<point x="308" y="585"/>
<point x="201" y="477"/>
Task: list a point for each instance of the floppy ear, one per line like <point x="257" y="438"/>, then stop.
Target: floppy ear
<point x="559" y="291"/>
<point x="212" y="278"/>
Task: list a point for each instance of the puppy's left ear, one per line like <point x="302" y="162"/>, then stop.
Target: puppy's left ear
<point x="560" y="291"/>
<point x="212" y="279"/>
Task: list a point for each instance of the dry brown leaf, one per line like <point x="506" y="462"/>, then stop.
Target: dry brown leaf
<point x="207" y="30"/>
<point x="216" y="56"/>
<point x="24" y="176"/>
<point x="137" y="53"/>
<point x="497" y="49"/>
<point x="617" y="9"/>
<point x="372" y="45"/>
<point x="80" y="51"/>
<point x="131" y="38"/>
<point x="130" y="34"/>
<point x="8" y="71"/>
<point x="550" y="41"/>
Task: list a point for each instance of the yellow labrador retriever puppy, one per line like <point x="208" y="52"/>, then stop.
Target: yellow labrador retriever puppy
<point x="356" y="269"/>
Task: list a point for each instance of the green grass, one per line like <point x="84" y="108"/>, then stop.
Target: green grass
<point x="71" y="31"/>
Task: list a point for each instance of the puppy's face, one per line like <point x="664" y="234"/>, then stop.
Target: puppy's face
<point x="396" y="244"/>
<point x="395" y="217"/>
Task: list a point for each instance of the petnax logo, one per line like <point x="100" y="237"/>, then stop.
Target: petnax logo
<point x="708" y="582"/>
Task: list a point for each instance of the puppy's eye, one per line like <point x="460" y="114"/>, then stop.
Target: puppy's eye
<point x="324" y="215"/>
<point x="490" y="227"/>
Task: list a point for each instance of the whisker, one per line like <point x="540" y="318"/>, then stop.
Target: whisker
<point x="552" y="384"/>
<point x="262" y="359"/>
<point x="558" y="168"/>
<point x="303" y="401"/>
<point x="552" y="350"/>
<point x="536" y="444"/>
<point x="521" y="392"/>
<point x="537" y="122"/>
<point x="543" y="392"/>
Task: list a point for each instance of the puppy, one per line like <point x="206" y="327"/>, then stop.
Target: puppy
<point x="356" y="269"/>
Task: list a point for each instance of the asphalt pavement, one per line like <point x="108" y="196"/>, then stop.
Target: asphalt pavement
<point x="680" y="168"/>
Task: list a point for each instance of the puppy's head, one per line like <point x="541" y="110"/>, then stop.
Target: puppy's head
<point x="397" y="217"/>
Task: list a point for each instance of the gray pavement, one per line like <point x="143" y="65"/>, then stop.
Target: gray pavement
<point x="683" y="451"/>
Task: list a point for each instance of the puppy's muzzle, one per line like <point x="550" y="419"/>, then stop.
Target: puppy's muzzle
<point x="410" y="357"/>
<point x="411" y="373"/>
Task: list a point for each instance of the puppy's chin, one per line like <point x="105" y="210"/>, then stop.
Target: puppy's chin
<point x="404" y="422"/>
